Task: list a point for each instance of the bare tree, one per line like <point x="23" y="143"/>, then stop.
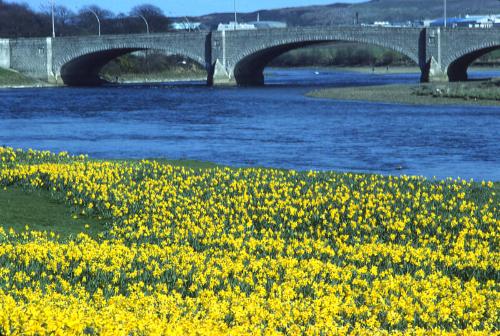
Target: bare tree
<point x="148" y="11"/>
<point x="18" y="20"/>
<point x="86" y="21"/>
<point x="157" y="20"/>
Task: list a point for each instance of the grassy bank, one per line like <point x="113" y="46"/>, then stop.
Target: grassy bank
<point x="470" y="93"/>
<point x="394" y="69"/>
<point x="9" y="78"/>
<point x="378" y="70"/>
<point x="152" y="67"/>
<point x="13" y="79"/>
<point x="173" y="75"/>
<point x="221" y="251"/>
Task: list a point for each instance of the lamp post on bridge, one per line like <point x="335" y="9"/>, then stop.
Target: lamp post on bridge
<point x="98" y="20"/>
<point x="146" y="21"/>
<point x="146" y="51"/>
<point x="235" y="15"/>
<point x="52" y="10"/>
<point x="445" y="13"/>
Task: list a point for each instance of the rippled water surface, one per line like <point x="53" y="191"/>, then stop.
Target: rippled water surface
<point x="273" y="126"/>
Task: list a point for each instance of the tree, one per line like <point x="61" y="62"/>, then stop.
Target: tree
<point x="18" y="20"/>
<point x="157" y="20"/>
<point x="86" y="23"/>
<point x="63" y="20"/>
<point x="147" y="11"/>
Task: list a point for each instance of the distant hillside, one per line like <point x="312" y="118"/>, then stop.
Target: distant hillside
<point x="374" y="10"/>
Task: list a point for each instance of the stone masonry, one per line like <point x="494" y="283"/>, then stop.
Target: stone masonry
<point x="239" y="57"/>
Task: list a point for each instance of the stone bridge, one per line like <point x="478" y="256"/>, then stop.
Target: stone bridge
<point x="78" y="60"/>
<point x="239" y="57"/>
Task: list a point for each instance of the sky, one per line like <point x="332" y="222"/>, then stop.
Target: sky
<point x="184" y="7"/>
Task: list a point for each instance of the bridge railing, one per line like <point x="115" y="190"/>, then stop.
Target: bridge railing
<point x="269" y="31"/>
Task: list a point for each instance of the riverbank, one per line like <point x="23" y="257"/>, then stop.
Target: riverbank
<point x="382" y="70"/>
<point x="12" y="79"/>
<point x="386" y="70"/>
<point x="393" y="70"/>
<point x="160" y="77"/>
<point x="158" y="80"/>
<point x="485" y="93"/>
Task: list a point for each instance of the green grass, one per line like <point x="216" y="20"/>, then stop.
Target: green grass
<point x="482" y="90"/>
<point x="12" y="78"/>
<point x="37" y="210"/>
<point x="414" y="95"/>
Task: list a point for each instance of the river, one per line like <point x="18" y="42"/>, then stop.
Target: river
<point x="272" y="126"/>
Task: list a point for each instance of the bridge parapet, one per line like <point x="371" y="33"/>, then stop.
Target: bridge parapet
<point x="79" y="59"/>
<point x="76" y="57"/>
<point x="450" y="51"/>
<point x="239" y="57"/>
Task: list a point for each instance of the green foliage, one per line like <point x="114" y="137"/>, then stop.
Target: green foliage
<point x="492" y="58"/>
<point x="406" y="94"/>
<point x="489" y="90"/>
<point x="342" y="55"/>
<point x="348" y="54"/>
<point x="152" y="63"/>
<point x="8" y="77"/>
<point x="20" y="20"/>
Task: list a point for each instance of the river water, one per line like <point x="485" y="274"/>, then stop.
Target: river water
<point x="272" y="126"/>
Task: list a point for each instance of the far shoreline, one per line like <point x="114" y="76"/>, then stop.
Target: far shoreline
<point x="407" y="94"/>
<point x="380" y="70"/>
<point x="391" y="93"/>
<point x="10" y="79"/>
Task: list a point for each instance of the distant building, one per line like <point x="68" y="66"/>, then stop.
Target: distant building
<point x="187" y="26"/>
<point x="267" y="24"/>
<point x="235" y="26"/>
<point x="252" y="25"/>
<point x="469" y="21"/>
<point x="382" y="24"/>
<point x="419" y="24"/>
<point x="427" y="23"/>
<point x="402" y="24"/>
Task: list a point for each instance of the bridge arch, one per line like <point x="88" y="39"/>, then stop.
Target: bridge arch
<point x="461" y="61"/>
<point x="82" y="67"/>
<point x="249" y="68"/>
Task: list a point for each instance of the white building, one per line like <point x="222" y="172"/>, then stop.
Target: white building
<point x="382" y="24"/>
<point x="186" y="26"/>
<point x="252" y="25"/>
<point x="481" y="21"/>
<point x="267" y="24"/>
<point x="469" y="21"/>
<point x="236" y="26"/>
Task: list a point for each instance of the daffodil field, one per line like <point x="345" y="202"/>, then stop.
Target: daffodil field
<point x="225" y="251"/>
